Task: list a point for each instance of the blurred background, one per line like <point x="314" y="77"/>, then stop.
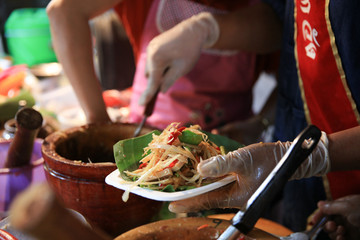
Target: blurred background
<point x="28" y="63"/>
<point x="7" y="6"/>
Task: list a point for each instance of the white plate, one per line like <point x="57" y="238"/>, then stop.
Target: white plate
<point x="114" y="179"/>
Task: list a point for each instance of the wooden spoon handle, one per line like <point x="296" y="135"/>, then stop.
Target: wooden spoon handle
<point x="38" y="212"/>
<point x="28" y="123"/>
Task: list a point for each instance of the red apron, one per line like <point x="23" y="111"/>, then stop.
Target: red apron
<point x="328" y="103"/>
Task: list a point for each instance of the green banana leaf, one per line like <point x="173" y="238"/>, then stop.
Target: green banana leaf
<point x="229" y="144"/>
<point x="129" y="152"/>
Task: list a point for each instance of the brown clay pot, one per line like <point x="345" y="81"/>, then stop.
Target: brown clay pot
<point x="188" y="228"/>
<point x="80" y="184"/>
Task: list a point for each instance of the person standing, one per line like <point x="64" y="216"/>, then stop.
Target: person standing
<point x="214" y="92"/>
<point x="318" y="80"/>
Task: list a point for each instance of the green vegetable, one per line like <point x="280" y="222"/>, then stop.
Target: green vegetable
<point x="190" y="137"/>
<point x="135" y="178"/>
<point x="183" y="188"/>
<point x="168" y="188"/>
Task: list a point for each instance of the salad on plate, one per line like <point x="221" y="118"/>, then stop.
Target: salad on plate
<point x="168" y="162"/>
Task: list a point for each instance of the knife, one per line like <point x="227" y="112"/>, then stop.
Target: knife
<point x="149" y="108"/>
<point x="244" y="221"/>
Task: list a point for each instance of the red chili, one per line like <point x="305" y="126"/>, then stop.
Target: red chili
<point x="143" y="165"/>
<point x="174" y="135"/>
<point x="181" y="129"/>
<point x="202" y="226"/>
<point x="171" y="165"/>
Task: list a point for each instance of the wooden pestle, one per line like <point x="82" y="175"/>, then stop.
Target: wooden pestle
<point x="38" y="213"/>
<point x="28" y="123"/>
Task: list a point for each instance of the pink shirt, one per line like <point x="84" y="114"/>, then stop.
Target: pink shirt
<point x="217" y="91"/>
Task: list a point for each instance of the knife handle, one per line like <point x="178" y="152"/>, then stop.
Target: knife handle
<point x="299" y="150"/>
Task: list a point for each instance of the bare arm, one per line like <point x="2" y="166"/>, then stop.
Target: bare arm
<point x="344" y="150"/>
<point x="69" y="22"/>
<point x="255" y="28"/>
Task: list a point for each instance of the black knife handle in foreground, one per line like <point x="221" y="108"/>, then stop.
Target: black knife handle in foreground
<point x="302" y="146"/>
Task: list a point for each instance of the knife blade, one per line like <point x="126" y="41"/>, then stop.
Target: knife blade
<point x="244" y="221"/>
<point x="149" y="108"/>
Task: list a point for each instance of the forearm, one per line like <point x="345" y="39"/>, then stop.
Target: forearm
<point x="255" y="28"/>
<point x="72" y="43"/>
<point x="344" y="150"/>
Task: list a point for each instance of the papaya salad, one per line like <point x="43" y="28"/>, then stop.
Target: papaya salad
<point x="169" y="162"/>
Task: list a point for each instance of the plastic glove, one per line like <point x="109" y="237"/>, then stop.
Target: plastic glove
<point x="251" y="165"/>
<point x="345" y="217"/>
<point x="174" y="53"/>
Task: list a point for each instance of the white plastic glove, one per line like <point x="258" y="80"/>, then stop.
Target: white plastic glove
<point x="174" y="53"/>
<point x="251" y="165"/>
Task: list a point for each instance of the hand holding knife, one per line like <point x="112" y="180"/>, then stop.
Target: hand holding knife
<point x="302" y="146"/>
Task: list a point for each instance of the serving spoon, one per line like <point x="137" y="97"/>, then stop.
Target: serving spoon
<point x="310" y="234"/>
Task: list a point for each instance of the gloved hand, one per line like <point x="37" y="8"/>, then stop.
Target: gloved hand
<point x="251" y="165"/>
<point x="174" y="53"/>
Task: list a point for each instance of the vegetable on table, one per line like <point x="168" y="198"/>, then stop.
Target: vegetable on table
<point x="10" y="106"/>
<point x="12" y="79"/>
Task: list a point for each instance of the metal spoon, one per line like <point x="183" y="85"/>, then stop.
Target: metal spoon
<point x="310" y="234"/>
